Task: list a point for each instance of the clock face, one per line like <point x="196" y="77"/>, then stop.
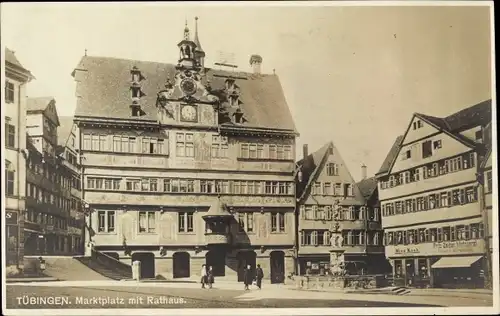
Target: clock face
<point x="188" y="86"/>
<point x="189" y="113"/>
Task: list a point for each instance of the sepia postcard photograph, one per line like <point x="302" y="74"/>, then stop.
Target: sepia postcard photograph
<point x="249" y="158"/>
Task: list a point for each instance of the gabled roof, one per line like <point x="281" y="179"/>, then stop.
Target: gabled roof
<point x="64" y="129"/>
<point x="310" y="167"/>
<point x="452" y="125"/>
<point x="10" y="58"/>
<point x="367" y="186"/>
<point x="391" y="156"/>
<point x="40" y="105"/>
<point x="104" y="91"/>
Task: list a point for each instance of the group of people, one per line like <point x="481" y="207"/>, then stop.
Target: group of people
<point x="207" y="276"/>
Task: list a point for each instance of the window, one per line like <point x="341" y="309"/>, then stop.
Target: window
<point x="260" y="151"/>
<point x="317" y="188"/>
<point x="220" y="147"/>
<point x="206" y="186"/>
<point x="278" y="222"/>
<point x="244" y="151"/>
<point x="10" y="135"/>
<point x="332" y="169"/>
<point x="426" y="149"/>
<point x="245" y="222"/>
<point x="9" y="179"/>
<point x="185" y="145"/>
<point x="338" y="189"/>
<point x="133" y="185"/>
<point x="147" y="222"/>
<point x="306" y="238"/>
<point x="327" y="188"/>
<point x="272" y="152"/>
<point x="488" y="187"/>
<point x="288" y="152"/>
<point x="9" y="92"/>
<point x="185" y="222"/>
<point x="437" y="144"/>
<point x="416" y="175"/>
<point x="407" y="154"/>
<point x="106" y="221"/>
<point x="479" y="136"/>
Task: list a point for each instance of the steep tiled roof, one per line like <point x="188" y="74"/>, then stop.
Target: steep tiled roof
<point x="64" y="129"/>
<point x="105" y="82"/>
<point x="10" y="57"/>
<point x="393" y="152"/>
<point x="38" y="104"/>
<point x="367" y="186"/>
<point x="310" y="166"/>
<point x="479" y="114"/>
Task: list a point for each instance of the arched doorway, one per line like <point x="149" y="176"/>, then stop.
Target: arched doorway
<point x="216" y="258"/>
<point x="277" y="259"/>
<point x="147" y="260"/>
<point x="181" y="265"/>
<point x="245" y="258"/>
<point x="113" y="255"/>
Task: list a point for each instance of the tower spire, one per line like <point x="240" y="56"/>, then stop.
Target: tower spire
<point x="196" y="38"/>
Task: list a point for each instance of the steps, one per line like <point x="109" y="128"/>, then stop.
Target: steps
<point x="400" y="290"/>
<point x="103" y="270"/>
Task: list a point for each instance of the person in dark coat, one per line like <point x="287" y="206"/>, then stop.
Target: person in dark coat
<point x="247" y="276"/>
<point x="259" y="275"/>
<point x="210" y="277"/>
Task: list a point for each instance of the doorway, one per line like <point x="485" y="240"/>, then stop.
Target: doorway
<point x="147" y="260"/>
<point x="181" y="265"/>
<point x="245" y="258"/>
<point x="216" y="258"/>
<point x="277" y="267"/>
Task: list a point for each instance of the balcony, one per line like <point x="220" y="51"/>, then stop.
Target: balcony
<point x="217" y="238"/>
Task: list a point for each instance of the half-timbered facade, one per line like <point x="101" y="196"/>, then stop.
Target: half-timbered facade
<point x="337" y="229"/>
<point x="185" y="165"/>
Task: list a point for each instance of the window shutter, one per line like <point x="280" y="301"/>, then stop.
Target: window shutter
<point x="326" y="238"/>
<point x="302" y="238"/>
<point x="302" y="211"/>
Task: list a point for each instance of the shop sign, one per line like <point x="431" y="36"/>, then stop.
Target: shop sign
<point x="11" y="217"/>
<point x="436" y="248"/>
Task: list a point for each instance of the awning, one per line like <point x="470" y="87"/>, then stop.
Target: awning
<point x="32" y="231"/>
<point x="455" y="262"/>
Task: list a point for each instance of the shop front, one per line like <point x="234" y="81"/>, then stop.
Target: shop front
<point x="453" y="264"/>
<point x="314" y="265"/>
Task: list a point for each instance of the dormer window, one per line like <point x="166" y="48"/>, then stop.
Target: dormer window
<point x="238" y="117"/>
<point x="229" y="84"/>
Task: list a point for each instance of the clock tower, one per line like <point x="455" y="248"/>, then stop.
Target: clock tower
<point x="186" y="99"/>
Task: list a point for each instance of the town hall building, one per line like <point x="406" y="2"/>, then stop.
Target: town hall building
<point x="185" y="165"/>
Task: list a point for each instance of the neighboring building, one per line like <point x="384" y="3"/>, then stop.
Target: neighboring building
<point x="185" y="165"/>
<point x="337" y="228"/>
<point x="67" y="151"/>
<point x="486" y="169"/>
<point x="49" y="186"/>
<point x="428" y="190"/>
<point x="14" y="111"/>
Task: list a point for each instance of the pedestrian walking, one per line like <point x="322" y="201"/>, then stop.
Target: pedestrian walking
<point x="259" y="275"/>
<point x="247" y="276"/>
<point x="203" y="274"/>
<point x="210" y="277"/>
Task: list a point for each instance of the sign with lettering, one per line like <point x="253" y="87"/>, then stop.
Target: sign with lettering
<point x="11" y="217"/>
<point x="472" y="246"/>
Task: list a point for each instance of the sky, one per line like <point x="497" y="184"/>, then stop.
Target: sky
<point x="353" y="75"/>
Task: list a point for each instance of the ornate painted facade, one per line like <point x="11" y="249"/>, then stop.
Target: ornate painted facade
<point x="185" y="165"/>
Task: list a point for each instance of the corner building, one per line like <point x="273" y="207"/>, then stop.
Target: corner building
<point x="185" y="165"/>
<point x="432" y="213"/>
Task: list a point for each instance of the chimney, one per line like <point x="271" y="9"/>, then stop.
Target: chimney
<point x="363" y="171"/>
<point x="255" y="62"/>
<point x="305" y="151"/>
